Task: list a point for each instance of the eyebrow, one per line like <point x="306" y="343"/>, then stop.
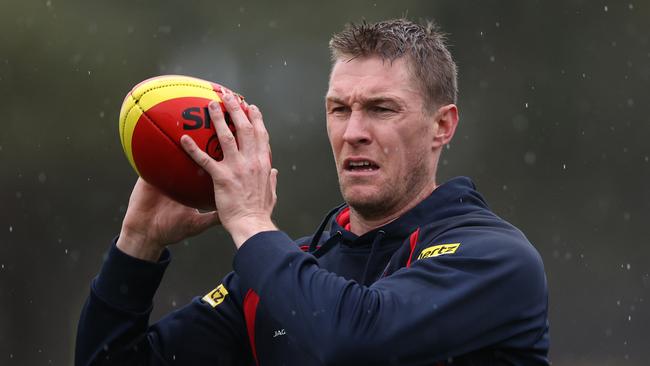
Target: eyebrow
<point x="367" y="101"/>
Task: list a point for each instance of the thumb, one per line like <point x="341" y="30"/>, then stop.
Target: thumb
<point x="203" y="221"/>
<point x="274" y="183"/>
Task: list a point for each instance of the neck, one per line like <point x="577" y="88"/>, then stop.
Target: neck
<point x="360" y="225"/>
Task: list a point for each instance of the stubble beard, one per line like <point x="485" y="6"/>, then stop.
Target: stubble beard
<point x="392" y="196"/>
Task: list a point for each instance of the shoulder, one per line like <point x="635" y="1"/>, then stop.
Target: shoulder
<point x="482" y="240"/>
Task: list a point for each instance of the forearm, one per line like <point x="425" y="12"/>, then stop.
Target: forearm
<point x="417" y="311"/>
<point x="138" y="246"/>
<point x="244" y="229"/>
<point x="116" y="314"/>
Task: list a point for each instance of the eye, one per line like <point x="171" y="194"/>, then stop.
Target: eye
<point x="338" y="109"/>
<point x="380" y="109"/>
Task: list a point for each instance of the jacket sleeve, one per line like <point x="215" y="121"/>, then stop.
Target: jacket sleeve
<point x="440" y="307"/>
<point x="114" y="325"/>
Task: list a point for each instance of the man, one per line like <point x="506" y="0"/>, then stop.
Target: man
<point x="406" y="272"/>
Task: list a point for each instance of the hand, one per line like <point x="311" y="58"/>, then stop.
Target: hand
<point x="153" y="221"/>
<point x="244" y="182"/>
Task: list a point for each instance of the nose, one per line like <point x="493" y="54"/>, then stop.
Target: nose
<point x="357" y="129"/>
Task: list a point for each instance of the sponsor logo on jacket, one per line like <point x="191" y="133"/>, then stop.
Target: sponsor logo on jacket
<point x="216" y="296"/>
<point x="440" y="249"/>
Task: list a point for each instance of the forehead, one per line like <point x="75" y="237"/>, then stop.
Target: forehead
<point x="370" y="76"/>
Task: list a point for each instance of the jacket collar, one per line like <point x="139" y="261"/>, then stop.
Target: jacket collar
<point x="454" y="197"/>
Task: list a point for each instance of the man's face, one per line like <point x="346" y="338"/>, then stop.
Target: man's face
<point x="381" y="135"/>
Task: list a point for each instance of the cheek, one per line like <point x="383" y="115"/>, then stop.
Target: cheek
<point x="331" y="134"/>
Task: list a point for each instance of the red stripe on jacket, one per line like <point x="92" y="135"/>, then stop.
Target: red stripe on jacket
<point x="251" y="300"/>
<point x="413" y="240"/>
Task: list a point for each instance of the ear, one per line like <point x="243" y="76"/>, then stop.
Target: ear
<point x="446" y="121"/>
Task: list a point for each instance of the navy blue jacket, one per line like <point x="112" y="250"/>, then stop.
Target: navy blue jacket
<point x="448" y="283"/>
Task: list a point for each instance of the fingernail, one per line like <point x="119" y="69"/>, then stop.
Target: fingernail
<point x="214" y="105"/>
<point x="227" y="97"/>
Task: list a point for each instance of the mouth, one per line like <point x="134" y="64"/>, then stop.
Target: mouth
<point x="360" y="165"/>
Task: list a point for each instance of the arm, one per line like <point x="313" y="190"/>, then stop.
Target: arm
<point x="114" y="325"/>
<point x="438" y="308"/>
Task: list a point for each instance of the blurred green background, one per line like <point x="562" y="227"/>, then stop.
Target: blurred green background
<point x="554" y="102"/>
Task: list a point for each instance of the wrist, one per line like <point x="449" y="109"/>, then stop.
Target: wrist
<point x="244" y="228"/>
<point x="139" y="246"/>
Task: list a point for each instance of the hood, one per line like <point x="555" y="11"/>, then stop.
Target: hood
<point x="455" y="197"/>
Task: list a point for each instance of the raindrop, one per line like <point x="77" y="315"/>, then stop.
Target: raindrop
<point x="2" y="266"/>
<point x="11" y="229"/>
<point x="626" y="216"/>
<point x="630" y="6"/>
<point x="630" y="102"/>
<point x="563" y="166"/>
<point x="646" y="159"/>
<point x="173" y="303"/>
<point x="48" y="3"/>
<point x="101" y="114"/>
<point x="530" y="158"/>
<point x="285" y="62"/>
<point x="606" y="8"/>
<point x="629" y="318"/>
<point x="42" y="177"/>
<point x="618" y="302"/>
<point x="505" y="187"/>
<point x="66" y="251"/>
<point x="293" y="167"/>
<point x="497" y="24"/>
<point x="19" y="194"/>
<point x="628" y="266"/>
<point x="492" y="58"/>
<point x="526" y="105"/>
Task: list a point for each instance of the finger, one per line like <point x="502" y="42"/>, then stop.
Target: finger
<point x="258" y="125"/>
<point x="200" y="157"/>
<point x="261" y="134"/>
<point x="245" y="133"/>
<point x="274" y="184"/>
<point x="226" y="138"/>
<point x="203" y="221"/>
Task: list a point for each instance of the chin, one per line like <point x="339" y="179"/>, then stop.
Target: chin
<point x="367" y="201"/>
